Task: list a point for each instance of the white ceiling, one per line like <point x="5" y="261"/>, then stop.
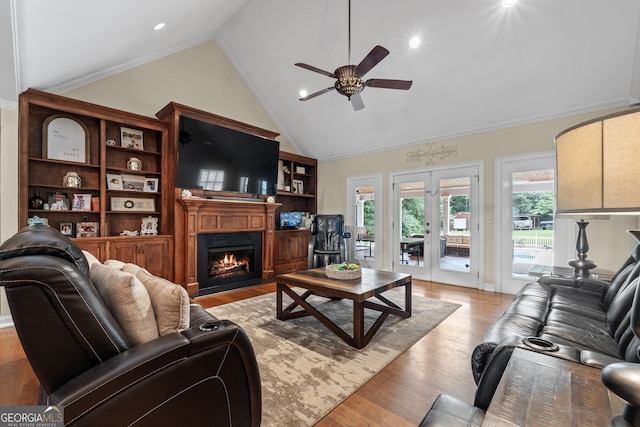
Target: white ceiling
<point x="480" y="66"/>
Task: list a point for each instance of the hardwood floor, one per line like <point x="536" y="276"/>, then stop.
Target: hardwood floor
<point x="398" y="396"/>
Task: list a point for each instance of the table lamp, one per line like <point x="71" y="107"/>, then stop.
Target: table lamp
<point x="597" y="174"/>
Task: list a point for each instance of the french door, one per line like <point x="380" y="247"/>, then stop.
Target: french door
<point x="436" y="225"/>
<point x="364" y="216"/>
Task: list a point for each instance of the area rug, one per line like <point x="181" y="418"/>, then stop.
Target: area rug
<point x="305" y="369"/>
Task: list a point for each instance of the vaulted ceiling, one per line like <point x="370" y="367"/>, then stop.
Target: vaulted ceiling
<point x="480" y="66"/>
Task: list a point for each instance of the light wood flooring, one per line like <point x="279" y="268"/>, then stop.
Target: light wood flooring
<point x="398" y="396"/>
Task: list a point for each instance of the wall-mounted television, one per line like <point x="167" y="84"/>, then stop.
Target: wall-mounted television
<point x="289" y="220"/>
<point x="216" y="158"/>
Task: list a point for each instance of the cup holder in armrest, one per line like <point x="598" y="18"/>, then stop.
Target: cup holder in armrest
<point x="210" y="326"/>
<point x="539" y="344"/>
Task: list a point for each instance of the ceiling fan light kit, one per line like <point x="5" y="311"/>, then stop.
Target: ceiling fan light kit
<point x="349" y="80"/>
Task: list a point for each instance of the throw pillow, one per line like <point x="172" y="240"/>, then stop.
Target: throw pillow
<point x="170" y="302"/>
<point x="114" y="263"/>
<point x="131" y="268"/>
<point x="128" y="301"/>
<point x="91" y="259"/>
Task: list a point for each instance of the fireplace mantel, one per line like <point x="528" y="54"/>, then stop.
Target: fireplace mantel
<point x="198" y="215"/>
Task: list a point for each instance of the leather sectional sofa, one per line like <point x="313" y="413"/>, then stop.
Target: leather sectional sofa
<point x="587" y="321"/>
<point x="582" y="320"/>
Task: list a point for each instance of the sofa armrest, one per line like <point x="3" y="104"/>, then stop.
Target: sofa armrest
<point x="597" y="360"/>
<point x="214" y="371"/>
<point x="593" y="285"/>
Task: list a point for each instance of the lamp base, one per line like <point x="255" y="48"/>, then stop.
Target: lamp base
<point x="582" y="265"/>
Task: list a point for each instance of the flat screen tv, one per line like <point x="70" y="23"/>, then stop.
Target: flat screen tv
<point x="289" y="220"/>
<point x="216" y="158"/>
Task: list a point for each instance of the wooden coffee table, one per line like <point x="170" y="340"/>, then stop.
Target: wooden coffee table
<point x="361" y="291"/>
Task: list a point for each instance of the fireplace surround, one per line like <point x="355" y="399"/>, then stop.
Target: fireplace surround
<point x="197" y="216"/>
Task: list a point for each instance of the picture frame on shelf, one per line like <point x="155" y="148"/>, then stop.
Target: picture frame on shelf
<point x="131" y="138"/>
<point x="66" y="228"/>
<point x="149" y="226"/>
<point x="65" y="138"/>
<point x="151" y="185"/>
<point x="114" y="181"/>
<point x="133" y="182"/>
<point x="58" y="201"/>
<point x="81" y="202"/>
<point x="298" y="186"/>
<point x="134" y="204"/>
<point x="87" y="229"/>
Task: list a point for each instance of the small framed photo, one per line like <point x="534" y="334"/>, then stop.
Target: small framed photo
<point x="298" y="186"/>
<point x="151" y="185"/>
<point x="131" y="138"/>
<point x="133" y="182"/>
<point x="66" y="228"/>
<point x="114" y="181"/>
<point x="81" y="202"/>
<point x="149" y="226"/>
<point x="87" y="229"/>
<point x="58" y="201"/>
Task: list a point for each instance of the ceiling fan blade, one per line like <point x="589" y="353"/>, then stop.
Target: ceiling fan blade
<point x="315" y="69"/>
<point x="356" y="102"/>
<point x="320" y="92"/>
<point x="376" y="55"/>
<point x="389" y="84"/>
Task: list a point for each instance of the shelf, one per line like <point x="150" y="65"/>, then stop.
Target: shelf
<point x="132" y="172"/>
<point x="65" y="189"/>
<point x="292" y="194"/>
<point x="63" y="163"/>
<point x="133" y="150"/>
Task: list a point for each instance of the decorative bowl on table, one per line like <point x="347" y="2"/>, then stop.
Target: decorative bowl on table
<point x="343" y="271"/>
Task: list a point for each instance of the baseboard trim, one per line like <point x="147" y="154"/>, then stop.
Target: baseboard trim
<point x="6" y="322"/>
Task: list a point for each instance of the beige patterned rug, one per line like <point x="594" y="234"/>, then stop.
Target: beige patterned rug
<point x="305" y="369"/>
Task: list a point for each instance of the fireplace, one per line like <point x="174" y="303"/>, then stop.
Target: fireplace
<point x="229" y="260"/>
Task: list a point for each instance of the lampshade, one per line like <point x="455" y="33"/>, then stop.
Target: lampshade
<point x="597" y="166"/>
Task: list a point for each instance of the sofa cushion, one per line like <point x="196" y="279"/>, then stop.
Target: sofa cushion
<point x="129" y="302"/>
<point x="170" y="302"/>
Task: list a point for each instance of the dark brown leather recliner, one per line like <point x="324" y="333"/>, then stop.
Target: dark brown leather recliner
<point x="327" y="243"/>
<point x="205" y="375"/>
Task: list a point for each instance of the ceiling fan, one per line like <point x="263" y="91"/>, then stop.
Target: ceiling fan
<point x="349" y="78"/>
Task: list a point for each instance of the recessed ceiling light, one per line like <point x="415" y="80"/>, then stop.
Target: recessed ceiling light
<point x="159" y="26"/>
<point x="414" y="42"/>
<point x="302" y="93"/>
<point x="509" y="3"/>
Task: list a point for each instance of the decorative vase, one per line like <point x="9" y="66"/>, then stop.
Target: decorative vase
<point x="36" y="202"/>
<point x="134" y="164"/>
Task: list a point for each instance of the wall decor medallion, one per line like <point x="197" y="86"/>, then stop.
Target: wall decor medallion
<point x="65" y="138"/>
<point x="430" y="152"/>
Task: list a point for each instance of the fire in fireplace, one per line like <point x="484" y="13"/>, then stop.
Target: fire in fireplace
<point x="229" y="260"/>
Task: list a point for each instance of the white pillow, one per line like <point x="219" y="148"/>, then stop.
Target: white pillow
<point x="170" y="302"/>
<point x="114" y="263"/>
<point x="91" y="259"/>
<point x="128" y="301"/>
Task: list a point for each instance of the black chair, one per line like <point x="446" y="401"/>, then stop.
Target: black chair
<point x="327" y="244"/>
